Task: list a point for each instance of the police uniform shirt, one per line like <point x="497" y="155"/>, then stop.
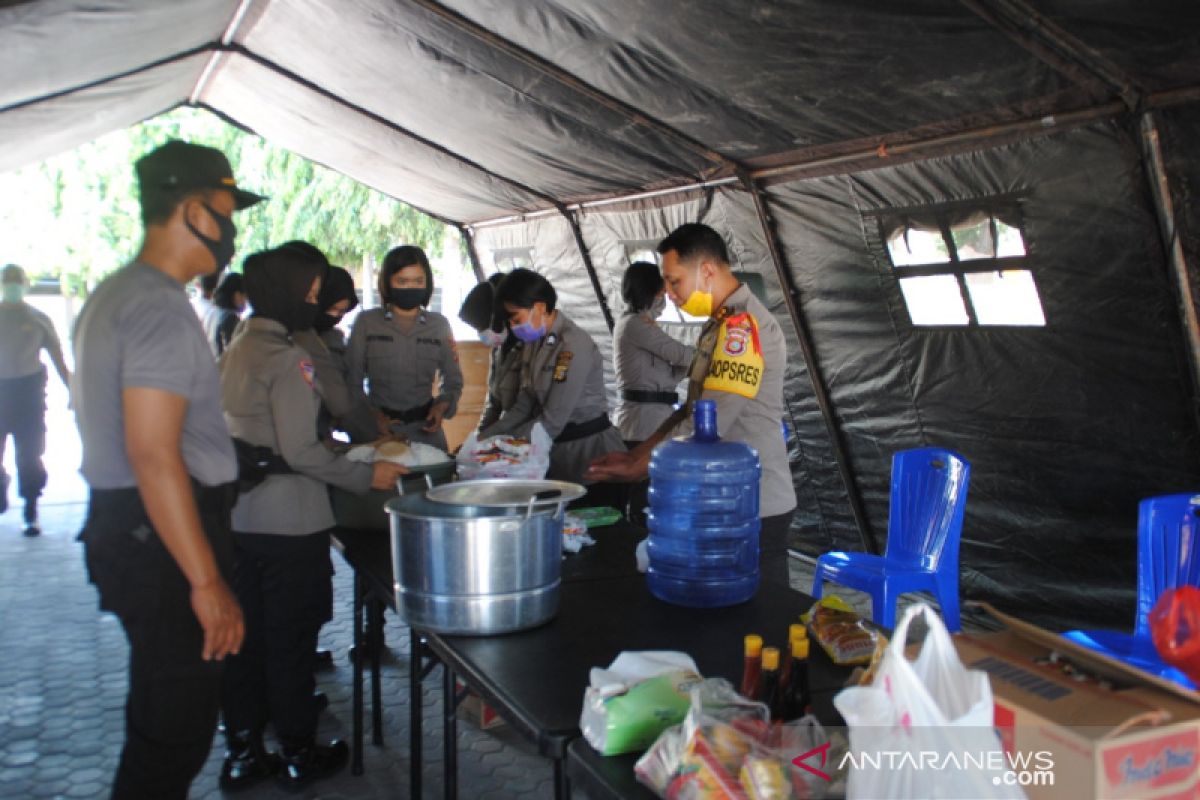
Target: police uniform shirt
<point x="745" y="378"/>
<point x="24" y="333"/>
<point x="137" y="330"/>
<point x="504" y="381"/>
<point x="400" y="366"/>
<point x="335" y="343"/>
<point x="268" y="392"/>
<point x="647" y="359"/>
<point x="342" y="405"/>
<point x="562" y="381"/>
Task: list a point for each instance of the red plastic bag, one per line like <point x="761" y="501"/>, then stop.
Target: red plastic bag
<point x="1175" y="628"/>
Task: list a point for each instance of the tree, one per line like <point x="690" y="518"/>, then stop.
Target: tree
<point x="76" y="215"/>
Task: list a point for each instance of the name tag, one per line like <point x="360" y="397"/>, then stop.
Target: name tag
<point x="379" y="337"/>
<point x="434" y="342"/>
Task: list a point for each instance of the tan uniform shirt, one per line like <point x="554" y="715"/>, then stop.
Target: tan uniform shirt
<point x="342" y="408"/>
<point x="562" y="382"/>
<point x="24" y="333"/>
<point x="268" y="393"/>
<point x="504" y="380"/>
<point x="647" y="359"/>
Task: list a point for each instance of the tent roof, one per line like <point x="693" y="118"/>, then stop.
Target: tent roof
<point x="475" y="109"/>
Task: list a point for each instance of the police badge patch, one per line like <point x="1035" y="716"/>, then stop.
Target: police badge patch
<point x="561" y="365"/>
<point x="307" y="372"/>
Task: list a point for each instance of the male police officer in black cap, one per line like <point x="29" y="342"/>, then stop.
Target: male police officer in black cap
<point x="161" y="468"/>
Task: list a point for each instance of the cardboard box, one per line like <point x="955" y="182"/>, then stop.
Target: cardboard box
<point x="1138" y="739"/>
<point x="473" y="708"/>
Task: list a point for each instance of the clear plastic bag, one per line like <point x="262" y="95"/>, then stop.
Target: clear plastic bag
<point x="505" y="456"/>
<point x="727" y="747"/>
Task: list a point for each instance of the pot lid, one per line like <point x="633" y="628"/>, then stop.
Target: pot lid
<point x="507" y="492"/>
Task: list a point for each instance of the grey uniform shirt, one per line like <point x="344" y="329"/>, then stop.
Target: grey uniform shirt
<point x="562" y="381"/>
<point x="504" y="380"/>
<point x="137" y="330"/>
<point x="24" y="333"/>
<point x="645" y="358"/>
<point x="342" y="408"/>
<point x="758" y="420"/>
<point x="270" y="400"/>
<point x="400" y="366"/>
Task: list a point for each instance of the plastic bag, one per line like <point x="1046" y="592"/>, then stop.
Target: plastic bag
<point x="924" y="728"/>
<point x="728" y="748"/>
<point x="1175" y="629"/>
<point x="505" y="456"/>
<point x="628" y="705"/>
<point x="840" y="631"/>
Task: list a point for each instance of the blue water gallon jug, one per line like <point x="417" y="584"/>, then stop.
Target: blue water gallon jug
<point x="703" y="517"/>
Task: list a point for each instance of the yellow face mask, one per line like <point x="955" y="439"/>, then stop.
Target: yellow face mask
<point x="698" y="304"/>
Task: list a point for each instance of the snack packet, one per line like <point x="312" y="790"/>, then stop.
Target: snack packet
<point x="840" y="631"/>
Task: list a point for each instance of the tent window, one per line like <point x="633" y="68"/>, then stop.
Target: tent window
<point x="510" y="258"/>
<point x="642" y="250"/>
<point x="963" y="267"/>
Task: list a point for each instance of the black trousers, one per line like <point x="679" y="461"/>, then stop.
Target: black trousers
<point x="174" y="695"/>
<point x="772" y="548"/>
<point x="23" y="417"/>
<point x="284" y="586"/>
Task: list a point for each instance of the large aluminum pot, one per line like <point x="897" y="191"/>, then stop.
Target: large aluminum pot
<point x="468" y="569"/>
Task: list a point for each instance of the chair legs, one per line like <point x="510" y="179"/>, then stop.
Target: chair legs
<point x="883" y="607"/>
<point x="818" y="581"/>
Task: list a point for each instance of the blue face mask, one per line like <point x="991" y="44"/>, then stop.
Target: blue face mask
<point x="14" y="292"/>
<point x="492" y="338"/>
<point x="526" y="331"/>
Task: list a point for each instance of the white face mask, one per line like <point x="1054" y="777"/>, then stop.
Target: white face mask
<point x="492" y="338"/>
<point x="14" y="292"/>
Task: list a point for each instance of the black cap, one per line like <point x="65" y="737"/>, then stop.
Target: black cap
<point x="181" y="167"/>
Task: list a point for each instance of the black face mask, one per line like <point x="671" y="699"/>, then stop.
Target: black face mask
<point x="222" y="247"/>
<point x="325" y="322"/>
<point x="406" y="299"/>
<point x="302" y="317"/>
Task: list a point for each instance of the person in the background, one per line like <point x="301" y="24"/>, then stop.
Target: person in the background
<point x="24" y="333"/>
<point x="229" y="301"/>
<point x="504" y="366"/>
<point x="202" y="303"/>
<point x="562" y="379"/>
<point x="406" y="352"/>
<point x="649" y="364"/>
<point x="341" y="408"/>
<point x="281" y="527"/>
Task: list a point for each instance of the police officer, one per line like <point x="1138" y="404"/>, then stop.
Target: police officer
<point x="504" y="365"/>
<point x="648" y="363"/>
<point x="400" y="349"/>
<point x="341" y="408"/>
<point x="24" y="333"/>
<point x="562" y="379"/>
<point x="228" y="303"/>
<point x="160" y="465"/>
<point x="739" y="363"/>
<point x="281" y="527"/>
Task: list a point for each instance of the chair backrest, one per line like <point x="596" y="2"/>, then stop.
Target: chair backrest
<point x="929" y="495"/>
<point x="1168" y="554"/>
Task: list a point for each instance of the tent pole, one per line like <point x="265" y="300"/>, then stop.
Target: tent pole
<point x="1185" y="276"/>
<point x="820" y="391"/>
<point x="588" y="265"/>
<point x="469" y="240"/>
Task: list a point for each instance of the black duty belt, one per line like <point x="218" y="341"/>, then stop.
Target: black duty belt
<point x="643" y="396"/>
<point x="579" y="430"/>
<point x="255" y="463"/>
<point x="414" y="414"/>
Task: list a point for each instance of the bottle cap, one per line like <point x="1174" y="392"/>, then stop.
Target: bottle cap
<point x="753" y="644"/>
<point x="770" y="658"/>
<point x="799" y="648"/>
<point x="797" y="631"/>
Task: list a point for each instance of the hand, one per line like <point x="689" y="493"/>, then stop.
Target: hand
<point x="617" y="468"/>
<point x="221" y="618"/>
<point x="433" y="420"/>
<point x="385" y="475"/>
<point x="383" y="423"/>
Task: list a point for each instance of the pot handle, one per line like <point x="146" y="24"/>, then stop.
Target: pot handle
<point x="400" y="483"/>
<point x="548" y="494"/>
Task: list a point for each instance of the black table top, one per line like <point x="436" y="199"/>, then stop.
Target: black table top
<point x="537" y="678"/>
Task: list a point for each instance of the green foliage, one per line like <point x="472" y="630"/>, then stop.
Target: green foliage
<point x="76" y="215"/>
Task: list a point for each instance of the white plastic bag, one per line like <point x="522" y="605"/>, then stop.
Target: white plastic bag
<point x="923" y="729"/>
<point x="501" y="457"/>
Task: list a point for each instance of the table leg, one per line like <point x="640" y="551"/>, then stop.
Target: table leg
<point x="449" y="733"/>
<point x="356" y="766"/>
<point x="562" y="783"/>
<point x="375" y="626"/>
<point x="415" y="709"/>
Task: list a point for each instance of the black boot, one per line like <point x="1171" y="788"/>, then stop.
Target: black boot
<point x="247" y="761"/>
<point x="31" y="522"/>
<point x="303" y="764"/>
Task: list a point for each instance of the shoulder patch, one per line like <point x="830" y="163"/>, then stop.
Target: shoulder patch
<point x="308" y="372"/>
<point x="737" y="361"/>
<point x="561" y="365"/>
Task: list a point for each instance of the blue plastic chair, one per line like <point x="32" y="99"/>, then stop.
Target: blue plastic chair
<point x="929" y="496"/>
<point x="1168" y="557"/>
